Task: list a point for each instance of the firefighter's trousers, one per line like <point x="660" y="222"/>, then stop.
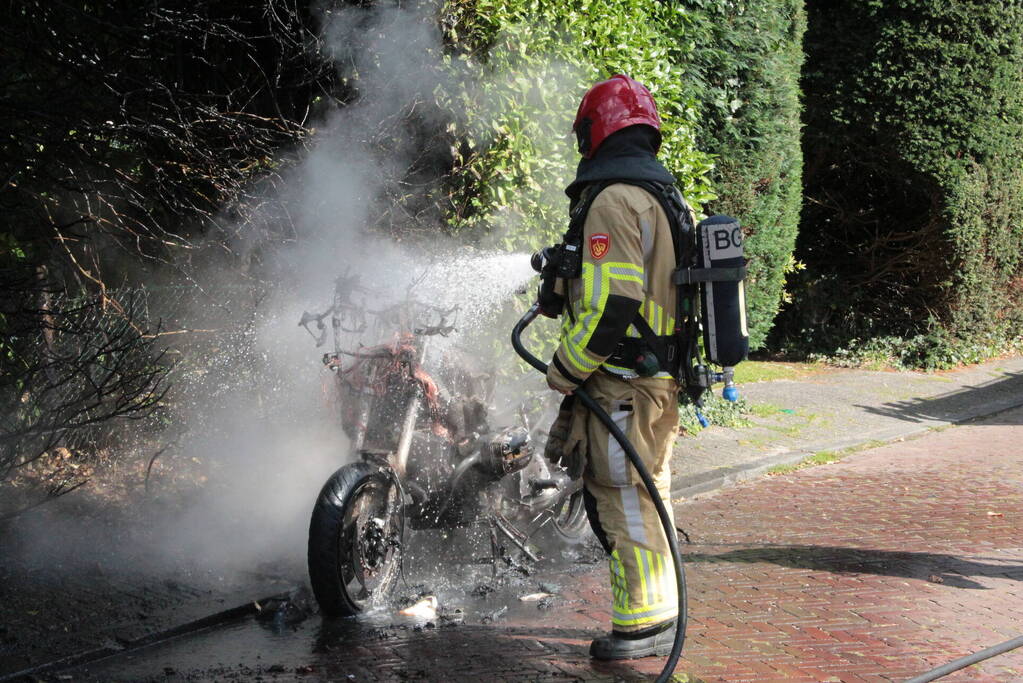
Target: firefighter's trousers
<point x="621" y="512"/>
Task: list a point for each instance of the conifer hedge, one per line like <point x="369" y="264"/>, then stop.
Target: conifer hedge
<point x="746" y="69"/>
<point x="914" y="176"/>
<point x="725" y="77"/>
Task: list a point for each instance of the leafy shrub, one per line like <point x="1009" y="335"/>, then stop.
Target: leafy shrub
<point x="914" y="166"/>
<point x="530" y="63"/>
<point x="717" y="411"/>
<point x="934" y="350"/>
<point x="726" y="82"/>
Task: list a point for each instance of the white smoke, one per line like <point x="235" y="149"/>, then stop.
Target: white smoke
<point x="270" y="450"/>
<point x="258" y="426"/>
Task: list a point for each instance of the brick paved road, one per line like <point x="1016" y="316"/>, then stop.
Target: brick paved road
<point x="875" y="568"/>
<point x="881" y="566"/>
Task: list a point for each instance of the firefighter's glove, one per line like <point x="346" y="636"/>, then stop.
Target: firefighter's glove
<point x="565" y="445"/>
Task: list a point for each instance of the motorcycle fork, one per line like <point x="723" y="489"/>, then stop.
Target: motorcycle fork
<point x="408" y="428"/>
<point x="408" y="425"/>
<point x="365" y="405"/>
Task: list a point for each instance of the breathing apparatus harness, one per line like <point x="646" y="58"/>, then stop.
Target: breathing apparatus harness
<point x="709" y="273"/>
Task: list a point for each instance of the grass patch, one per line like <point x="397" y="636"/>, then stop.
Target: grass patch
<point x="766" y="370"/>
<point x="765" y="409"/>
<point x="789" y="430"/>
<point x="784" y="469"/>
<point x="821" y="458"/>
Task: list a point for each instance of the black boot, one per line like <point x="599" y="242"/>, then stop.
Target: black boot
<point x="654" y="642"/>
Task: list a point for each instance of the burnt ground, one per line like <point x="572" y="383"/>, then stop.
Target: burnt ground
<point x="52" y="610"/>
<point x="96" y="587"/>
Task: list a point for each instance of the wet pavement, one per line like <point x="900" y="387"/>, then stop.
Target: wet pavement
<point x="875" y="568"/>
<point x="483" y="631"/>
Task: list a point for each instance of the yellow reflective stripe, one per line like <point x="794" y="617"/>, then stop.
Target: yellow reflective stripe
<point x="642" y="577"/>
<point x="619" y="590"/>
<point x="623" y="270"/>
<point x="662" y="594"/>
<point x="656" y="317"/>
<point x="578" y="358"/>
<point x="595" y="292"/>
<point x="651" y="570"/>
<point x="656" y="606"/>
<point x="610" y="366"/>
<point x="646" y="609"/>
<point x="651" y="616"/>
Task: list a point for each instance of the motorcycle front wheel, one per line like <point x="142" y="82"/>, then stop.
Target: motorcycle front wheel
<point x="355" y="539"/>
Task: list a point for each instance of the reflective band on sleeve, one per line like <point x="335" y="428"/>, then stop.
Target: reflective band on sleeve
<point x="579" y="358"/>
<point x="627" y="272"/>
<point x="595" y="291"/>
<point x="575" y="338"/>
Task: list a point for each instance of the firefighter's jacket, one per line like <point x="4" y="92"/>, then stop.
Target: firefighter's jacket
<point x="628" y="259"/>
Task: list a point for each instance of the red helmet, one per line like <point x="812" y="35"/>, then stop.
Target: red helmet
<point x="610" y="106"/>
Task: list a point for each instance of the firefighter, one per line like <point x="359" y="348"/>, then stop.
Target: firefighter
<point x="625" y="283"/>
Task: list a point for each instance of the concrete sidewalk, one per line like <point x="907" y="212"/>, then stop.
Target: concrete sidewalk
<point x="838" y="409"/>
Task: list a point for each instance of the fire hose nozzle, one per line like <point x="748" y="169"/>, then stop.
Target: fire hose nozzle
<point x="541" y="257"/>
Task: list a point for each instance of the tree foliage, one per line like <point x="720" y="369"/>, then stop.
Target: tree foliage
<point x="128" y="130"/>
<point x="72" y="368"/>
<point x="528" y="64"/>
<point x="133" y="124"/>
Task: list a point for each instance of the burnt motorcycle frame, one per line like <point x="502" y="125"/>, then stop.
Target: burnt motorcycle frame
<point x="427" y="457"/>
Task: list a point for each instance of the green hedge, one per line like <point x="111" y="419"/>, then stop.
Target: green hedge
<point x="747" y="69"/>
<point x="914" y="174"/>
<point x="726" y="82"/>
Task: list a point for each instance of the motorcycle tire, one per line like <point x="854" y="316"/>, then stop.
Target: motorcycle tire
<point x="354" y="554"/>
<point x="569" y="524"/>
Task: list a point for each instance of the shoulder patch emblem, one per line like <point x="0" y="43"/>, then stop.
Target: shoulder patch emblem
<point x="599" y="244"/>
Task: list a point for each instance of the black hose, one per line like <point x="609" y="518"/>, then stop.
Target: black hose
<point x="968" y="660"/>
<point x="644" y="475"/>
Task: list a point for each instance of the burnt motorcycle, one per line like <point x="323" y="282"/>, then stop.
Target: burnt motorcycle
<point x="428" y="456"/>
